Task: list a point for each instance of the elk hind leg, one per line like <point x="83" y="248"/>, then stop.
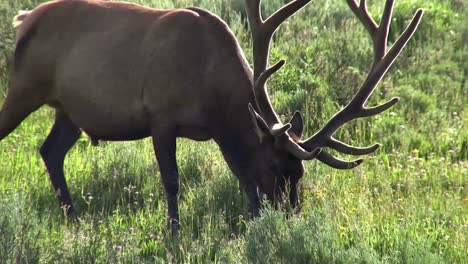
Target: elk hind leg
<point x="60" y="140"/>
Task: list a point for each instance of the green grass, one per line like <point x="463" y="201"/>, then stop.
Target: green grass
<point x="406" y="204"/>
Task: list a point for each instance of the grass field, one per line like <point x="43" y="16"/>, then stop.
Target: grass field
<point x="405" y="204"/>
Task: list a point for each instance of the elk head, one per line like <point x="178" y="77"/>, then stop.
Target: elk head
<point x="285" y="140"/>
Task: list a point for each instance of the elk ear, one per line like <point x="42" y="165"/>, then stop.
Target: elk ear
<point x="259" y="124"/>
<point x="297" y="123"/>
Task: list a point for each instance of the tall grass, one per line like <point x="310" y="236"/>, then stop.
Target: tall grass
<point x="405" y="204"/>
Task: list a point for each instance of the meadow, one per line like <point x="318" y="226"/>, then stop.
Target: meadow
<point x="407" y="203"/>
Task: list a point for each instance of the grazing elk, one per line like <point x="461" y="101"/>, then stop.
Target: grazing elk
<point x="119" y="71"/>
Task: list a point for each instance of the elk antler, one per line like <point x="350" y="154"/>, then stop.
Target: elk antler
<point x="355" y="108"/>
<point x="262" y="32"/>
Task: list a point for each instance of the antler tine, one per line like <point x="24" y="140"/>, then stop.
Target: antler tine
<point x="380" y="39"/>
<point x="300" y="153"/>
<point x="347" y="149"/>
<point x="361" y="12"/>
<point x="336" y="163"/>
<point x="275" y="20"/>
<point x="261" y="80"/>
<point x="262" y="33"/>
<point x="381" y="66"/>
<point x="254" y="15"/>
<point x="263" y="30"/>
<point x="355" y="108"/>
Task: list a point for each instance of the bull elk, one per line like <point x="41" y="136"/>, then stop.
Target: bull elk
<point x="120" y="71"/>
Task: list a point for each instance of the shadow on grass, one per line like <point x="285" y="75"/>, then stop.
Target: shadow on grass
<point x="128" y="185"/>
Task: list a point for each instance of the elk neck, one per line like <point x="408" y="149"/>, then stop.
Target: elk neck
<point x="235" y="135"/>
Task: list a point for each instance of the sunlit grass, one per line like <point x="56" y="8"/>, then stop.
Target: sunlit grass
<point x="406" y="204"/>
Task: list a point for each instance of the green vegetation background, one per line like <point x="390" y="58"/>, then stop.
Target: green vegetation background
<point x="406" y="204"/>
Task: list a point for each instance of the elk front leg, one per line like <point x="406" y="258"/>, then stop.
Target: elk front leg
<point x="254" y="199"/>
<point x="294" y="199"/>
<point x="61" y="138"/>
<point x="164" y="142"/>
